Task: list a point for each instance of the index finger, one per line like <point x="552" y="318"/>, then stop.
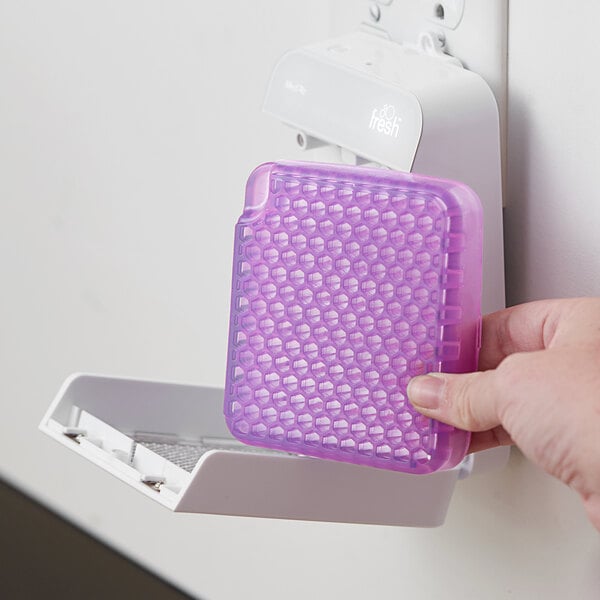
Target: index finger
<point x="522" y="328"/>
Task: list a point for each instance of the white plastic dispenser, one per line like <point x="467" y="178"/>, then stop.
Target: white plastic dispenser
<point x="388" y="95"/>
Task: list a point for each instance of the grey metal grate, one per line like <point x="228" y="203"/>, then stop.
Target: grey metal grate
<point x="184" y="456"/>
<point x="186" y="453"/>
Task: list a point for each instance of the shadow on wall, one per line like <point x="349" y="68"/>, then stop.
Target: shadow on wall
<point x="517" y="219"/>
<point x="42" y="556"/>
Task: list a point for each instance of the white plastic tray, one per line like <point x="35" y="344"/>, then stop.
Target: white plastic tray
<point x="170" y="442"/>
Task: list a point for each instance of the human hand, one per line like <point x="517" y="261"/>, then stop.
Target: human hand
<point x="539" y="388"/>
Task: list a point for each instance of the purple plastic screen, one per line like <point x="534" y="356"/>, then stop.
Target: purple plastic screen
<point x="347" y="282"/>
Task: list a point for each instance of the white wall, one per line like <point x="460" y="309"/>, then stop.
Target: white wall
<point x="126" y="132"/>
<point x="553" y="213"/>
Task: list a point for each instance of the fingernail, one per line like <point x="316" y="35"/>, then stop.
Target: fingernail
<point x="425" y="391"/>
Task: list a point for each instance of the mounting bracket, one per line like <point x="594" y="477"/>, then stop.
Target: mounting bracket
<point x="473" y="32"/>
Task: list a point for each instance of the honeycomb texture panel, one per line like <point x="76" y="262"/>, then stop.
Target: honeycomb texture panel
<point x="347" y="282"/>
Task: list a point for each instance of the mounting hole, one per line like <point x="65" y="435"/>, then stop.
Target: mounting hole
<point x="301" y="140"/>
<point x="375" y="12"/>
<point x="439" y="11"/>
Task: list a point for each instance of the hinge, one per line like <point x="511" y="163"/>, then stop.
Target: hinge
<point x="399" y="22"/>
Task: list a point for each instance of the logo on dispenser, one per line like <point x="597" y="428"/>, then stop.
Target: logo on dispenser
<point x="386" y="121"/>
<point x="295" y="87"/>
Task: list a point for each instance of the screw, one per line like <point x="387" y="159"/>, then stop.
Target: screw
<point x="375" y="12"/>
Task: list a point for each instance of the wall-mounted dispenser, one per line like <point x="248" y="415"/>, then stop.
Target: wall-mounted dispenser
<point x="406" y="106"/>
<point x="387" y="104"/>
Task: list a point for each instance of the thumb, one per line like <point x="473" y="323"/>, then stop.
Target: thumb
<point x="467" y="401"/>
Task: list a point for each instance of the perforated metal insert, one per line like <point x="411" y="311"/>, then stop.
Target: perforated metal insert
<point x="184" y="456"/>
<point x="186" y="453"/>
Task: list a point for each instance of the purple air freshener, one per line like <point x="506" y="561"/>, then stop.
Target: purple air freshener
<point x="347" y="282"/>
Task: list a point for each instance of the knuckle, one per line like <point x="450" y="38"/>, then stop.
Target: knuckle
<point x="509" y="378"/>
<point x="459" y="402"/>
<point x="505" y="333"/>
<point x="511" y="367"/>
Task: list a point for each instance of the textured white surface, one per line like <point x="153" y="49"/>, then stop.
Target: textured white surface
<point x="126" y="132"/>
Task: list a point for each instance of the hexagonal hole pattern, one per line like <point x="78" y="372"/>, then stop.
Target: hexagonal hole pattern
<point x="336" y="290"/>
